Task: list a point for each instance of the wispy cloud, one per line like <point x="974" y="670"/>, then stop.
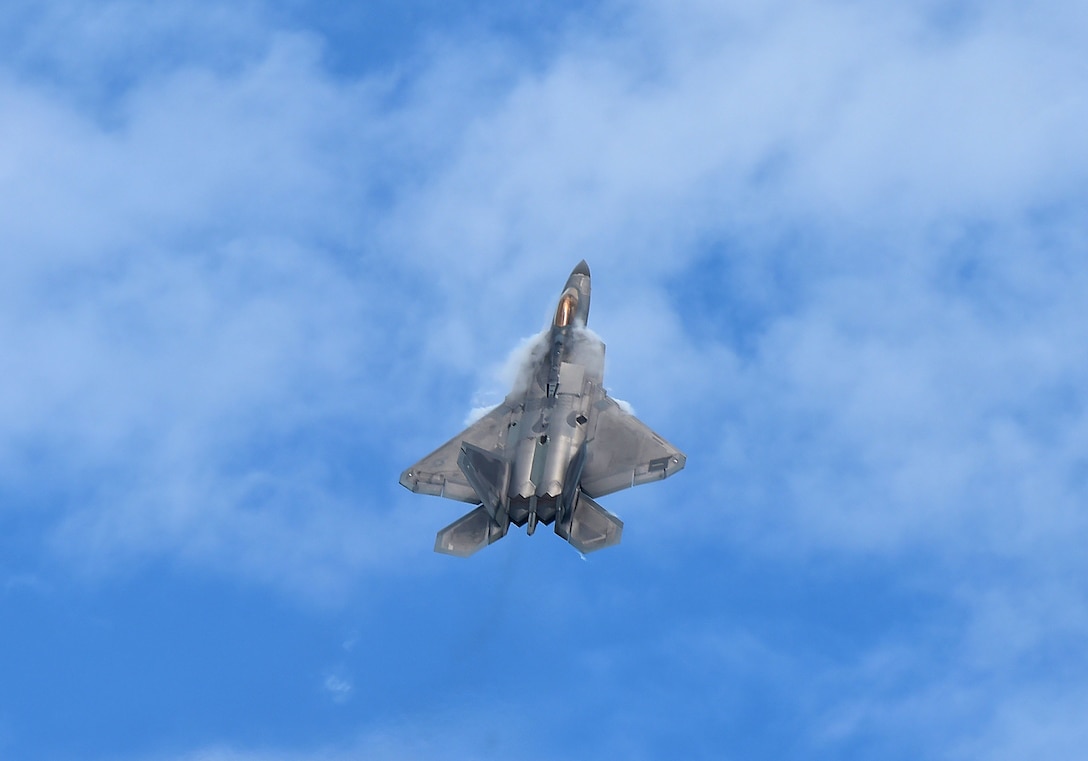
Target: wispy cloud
<point x="182" y="272"/>
<point x="837" y="255"/>
<point x="179" y="295"/>
<point x="449" y="737"/>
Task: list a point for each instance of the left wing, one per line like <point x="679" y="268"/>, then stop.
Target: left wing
<point x="624" y="452"/>
<point x="438" y="472"/>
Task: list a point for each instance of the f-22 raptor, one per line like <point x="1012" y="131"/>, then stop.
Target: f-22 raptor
<point x="556" y="444"/>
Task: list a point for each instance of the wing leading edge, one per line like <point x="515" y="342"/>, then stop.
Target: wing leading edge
<point x="624" y="452"/>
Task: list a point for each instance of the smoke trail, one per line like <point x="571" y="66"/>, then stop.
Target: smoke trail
<point x="518" y="372"/>
<point x="514" y="375"/>
<point x="520" y="367"/>
<point x="587" y="349"/>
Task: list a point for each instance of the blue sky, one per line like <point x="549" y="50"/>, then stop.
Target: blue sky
<point x="256" y="258"/>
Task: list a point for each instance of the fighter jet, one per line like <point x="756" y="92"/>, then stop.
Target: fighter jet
<point x="557" y="443"/>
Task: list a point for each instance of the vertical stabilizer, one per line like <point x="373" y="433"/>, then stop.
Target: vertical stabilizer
<point x="488" y="475"/>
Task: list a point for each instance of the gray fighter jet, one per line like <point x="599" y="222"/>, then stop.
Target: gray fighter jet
<point x="550" y="449"/>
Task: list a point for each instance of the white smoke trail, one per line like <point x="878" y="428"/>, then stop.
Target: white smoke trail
<point x="587" y="349"/>
<point x="515" y="374"/>
<point x="519" y="368"/>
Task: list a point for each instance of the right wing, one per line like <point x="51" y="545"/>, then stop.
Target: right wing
<point x="624" y="452"/>
<point x="438" y="472"/>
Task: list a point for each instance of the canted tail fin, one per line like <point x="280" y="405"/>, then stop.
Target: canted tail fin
<point x="488" y="475"/>
<point x="589" y="526"/>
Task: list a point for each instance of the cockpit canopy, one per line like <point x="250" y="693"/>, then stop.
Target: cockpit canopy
<point x="568" y="307"/>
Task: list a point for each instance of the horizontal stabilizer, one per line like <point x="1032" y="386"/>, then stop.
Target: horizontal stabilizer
<point x="590" y="527"/>
<point x="469" y="533"/>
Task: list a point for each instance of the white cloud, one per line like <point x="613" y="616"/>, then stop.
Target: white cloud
<point x="854" y="150"/>
<point x="837" y="252"/>
<point x="249" y="249"/>
<point x="1040" y="722"/>
<point x="903" y="191"/>
<point x="450" y="735"/>
<point x="338" y="688"/>
<point x="179" y="294"/>
<point x="831" y="114"/>
<point x="999" y="678"/>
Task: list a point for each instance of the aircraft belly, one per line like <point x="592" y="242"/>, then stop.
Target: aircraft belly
<point x="566" y="435"/>
<point x="553" y="445"/>
<point x="521" y="484"/>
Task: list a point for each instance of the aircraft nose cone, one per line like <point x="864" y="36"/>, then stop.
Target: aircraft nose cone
<point x="581" y="269"/>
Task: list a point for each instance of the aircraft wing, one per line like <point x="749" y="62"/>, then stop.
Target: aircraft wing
<point x="438" y="472"/>
<point x="624" y="452"/>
